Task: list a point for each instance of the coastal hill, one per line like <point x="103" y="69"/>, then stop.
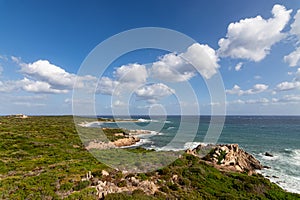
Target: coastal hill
<point x="44" y="158"/>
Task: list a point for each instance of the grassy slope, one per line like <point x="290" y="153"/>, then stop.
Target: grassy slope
<point x="43" y="158"/>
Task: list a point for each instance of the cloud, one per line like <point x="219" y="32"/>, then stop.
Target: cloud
<point x="285" y="86"/>
<point x="293" y="59"/>
<point x="119" y="103"/>
<point x="257" y="101"/>
<point x="297" y="75"/>
<point x="257" y="88"/>
<point x="252" y="38"/>
<point x="7" y="86"/>
<point x="203" y="58"/>
<point x="29" y="104"/>
<point x="107" y="86"/>
<point x="257" y="77"/>
<point x="16" y="59"/>
<point x="43" y="70"/>
<point x="131" y="73"/>
<point x="295" y="26"/>
<point x="289" y="85"/>
<point x="154" y="92"/>
<point x="1" y="69"/>
<point x="182" y="67"/>
<point x="127" y="78"/>
<point x="172" y="68"/>
<point x="291" y="98"/>
<point x="29" y="86"/>
<point x="43" y="77"/>
<point x="38" y="87"/>
<point x="250" y="101"/>
<point x="238" y="67"/>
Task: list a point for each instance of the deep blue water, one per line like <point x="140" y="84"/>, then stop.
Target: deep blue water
<point x="278" y="135"/>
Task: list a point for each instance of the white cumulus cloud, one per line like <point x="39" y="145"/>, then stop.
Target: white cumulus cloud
<point x="154" y="92"/>
<point x="43" y="77"/>
<point x="257" y="88"/>
<point x="284" y="86"/>
<point x="127" y="78"/>
<point x="238" y="67"/>
<point x="39" y="87"/>
<point x="295" y="26"/>
<point x="182" y="67"/>
<point x="131" y="73"/>
<point x="293" y="59"/>
<point x="172" y="68"/>
<point x="252" y="38"/>
<point x="203" y="58"/>
<point x="43" y="70"/>
<point x="107" y="86"/>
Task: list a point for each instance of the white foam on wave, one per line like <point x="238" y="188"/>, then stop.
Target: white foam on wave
<point x="142" y="120"/>
<point x="284" y="169"/>
<point x="166" y="148"/>
<point x="296" y="157"/>
<point x="264" y="157"/>
<point x="192" y="145"/>
<point x="171" y="127"/>
<point x="187" y="145"/>
<point x="287" y="182"/>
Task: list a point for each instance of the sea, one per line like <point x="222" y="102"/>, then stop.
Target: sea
<point x="277" y="135"/>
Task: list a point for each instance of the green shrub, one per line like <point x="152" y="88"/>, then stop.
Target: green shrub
<point x="81" y="185"/>
<point x="122" y="183"/>
<point x="143" y="176"/>
<point x="66" y="186"/>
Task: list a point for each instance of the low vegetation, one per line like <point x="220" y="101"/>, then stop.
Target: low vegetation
<point x="44" y="158"/>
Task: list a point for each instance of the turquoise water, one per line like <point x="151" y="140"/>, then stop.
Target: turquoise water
<point x="278" y="135"/>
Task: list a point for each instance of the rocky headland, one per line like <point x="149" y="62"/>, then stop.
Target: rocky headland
<point x="225" y="158"/>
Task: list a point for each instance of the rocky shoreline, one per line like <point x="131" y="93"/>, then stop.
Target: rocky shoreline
<point x="128" y="138"/>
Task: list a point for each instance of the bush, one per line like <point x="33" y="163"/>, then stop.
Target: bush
<point x="66" y="186"/>
<point x="143" y="176"/>
<point x="81" y="185"/>
<point x="122" y="183"/>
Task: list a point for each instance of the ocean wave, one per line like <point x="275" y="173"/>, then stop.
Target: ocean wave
<point x="264" y="157"/>
<point x="171" y="127"/>
<point x="165" y="148"/>
<point x="284" y="168"/>
<point x="187" y="145"/>
<point x="287" y="182"/>
<point x="192" y="145"/>
<point x="142" y="120"/>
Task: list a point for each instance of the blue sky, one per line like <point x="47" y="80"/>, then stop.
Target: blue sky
<point x="253" y="45"/>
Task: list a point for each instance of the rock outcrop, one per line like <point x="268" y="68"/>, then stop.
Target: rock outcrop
<point x="229" y="157"/>
<point x="128" y="141"/>
<point x="129" y="185"/>
<point x="269" y="154"/>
